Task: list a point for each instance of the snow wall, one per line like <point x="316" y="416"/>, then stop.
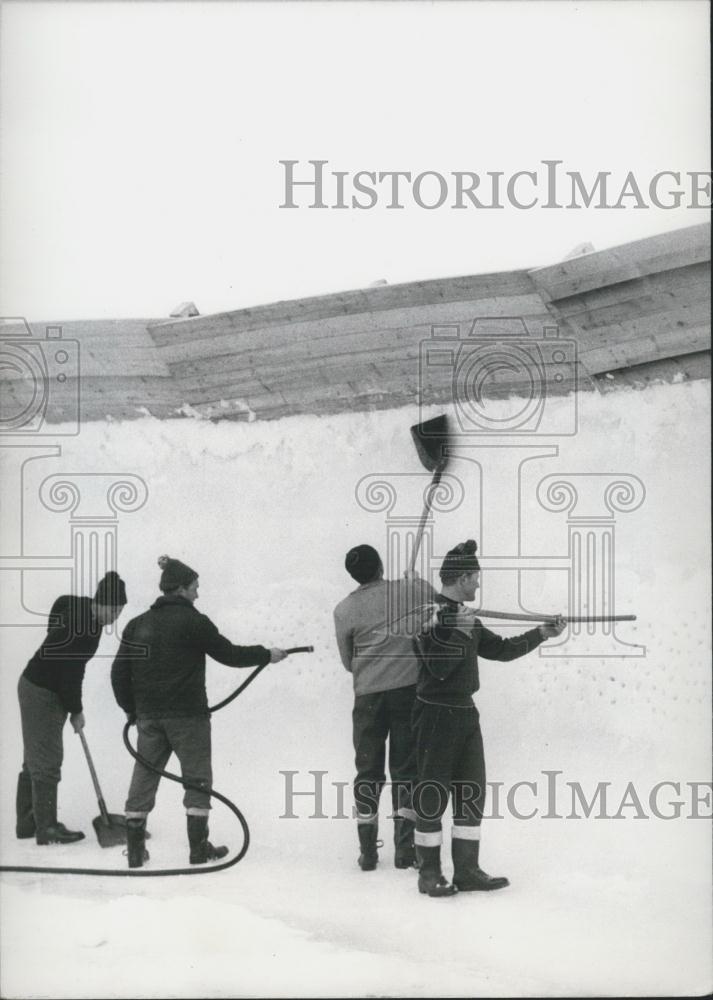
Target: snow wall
<point x="265" y="513"/>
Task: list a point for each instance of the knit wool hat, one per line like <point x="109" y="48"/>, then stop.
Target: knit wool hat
<point x="111" y="591"/>
<point x="362" y="563"/>
<point x="175" y="574"/>
<point x="459" y="560"/>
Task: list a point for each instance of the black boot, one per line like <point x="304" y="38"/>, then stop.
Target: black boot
<point x="44" y="808"/>
<point x="201" y="848"/>
<point x="135" y="842"/>
<point x="368" y="843"/>
<point x="25" y="818"/>
<point x="431" y="880"/>
<point x="404" y="850"/>
<point x="467" y="875"/>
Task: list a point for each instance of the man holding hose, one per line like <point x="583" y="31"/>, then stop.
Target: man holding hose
<point x="158" y="679"/>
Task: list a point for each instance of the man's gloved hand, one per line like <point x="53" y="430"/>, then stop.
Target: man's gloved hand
<point x="77" y="720"/>
<point x="549" y="630"/>
<point x="411" y="574"/>
<point x="276" y="655"/>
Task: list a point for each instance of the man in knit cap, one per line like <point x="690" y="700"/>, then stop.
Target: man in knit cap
<point x="158" y="679"/>
<point x="375" y="627"/>
<point x="49" y="690"/>
<point x="449" y="741"/>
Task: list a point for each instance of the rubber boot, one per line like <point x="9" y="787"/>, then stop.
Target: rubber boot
<point x="135" y="842"/>
<point x="404" y="850"/>
<point x="44" y="808"/>
<point x="467" y="874"/>
<point x="431" y="880"/>
<point x="368" y="844"/>
<point x="201" y="848"/>
<point x="25" y="818"/>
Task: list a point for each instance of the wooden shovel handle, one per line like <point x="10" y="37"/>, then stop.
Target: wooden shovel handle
<point x="482" y="613"/>
<point x="95" y="779"/>
<point x="424" y="516"/>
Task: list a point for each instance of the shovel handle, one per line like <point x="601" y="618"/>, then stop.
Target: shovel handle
<point x="482" y="613"/>
<point x="95" y="779"/>
<point x="424" y="516"/>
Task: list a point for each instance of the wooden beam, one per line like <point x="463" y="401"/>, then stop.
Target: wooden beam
<point x="663" y="252"/>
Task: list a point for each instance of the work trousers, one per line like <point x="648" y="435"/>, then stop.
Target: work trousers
<point x="376" y="718"/>
<point x="43" y="717"/>
<point x="451" y="764"/>
<point x="189" y="738"/>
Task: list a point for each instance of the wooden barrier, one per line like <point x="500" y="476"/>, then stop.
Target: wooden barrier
<point x="620" y="310"/>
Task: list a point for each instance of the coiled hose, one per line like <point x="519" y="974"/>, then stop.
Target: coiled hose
<point x="194" y="870"/>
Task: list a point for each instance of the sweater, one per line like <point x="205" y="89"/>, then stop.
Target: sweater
<point x="159" y="669"/>
<point x="72" y="639"/>
<point x="448" y="648"/>
<point x="375" y="626"/>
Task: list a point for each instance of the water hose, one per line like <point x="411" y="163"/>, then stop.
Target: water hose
<point x="193" y="870"/>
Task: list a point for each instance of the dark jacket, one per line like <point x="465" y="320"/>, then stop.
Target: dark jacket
<point x="448" y="652"/>
<point x="72" y="639"/>
<point x="159" y="670"/>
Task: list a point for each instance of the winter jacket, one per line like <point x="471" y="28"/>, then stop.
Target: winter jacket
<point x="375" y="626"/>
<point x="159" y="670"/>
<point x="448" y="648"/>
<point x="72" y="639"/>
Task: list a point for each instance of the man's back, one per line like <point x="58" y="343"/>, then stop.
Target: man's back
<point x="375" y="626"/>
<point x="159" y="671"/>
<point x="169" y="679"/>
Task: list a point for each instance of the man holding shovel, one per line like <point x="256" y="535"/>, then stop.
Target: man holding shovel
<point x="158" y="679"/>
<point x="49" y="690"/>
<point x="449" y="741"/>
<point x="376" y="647"/>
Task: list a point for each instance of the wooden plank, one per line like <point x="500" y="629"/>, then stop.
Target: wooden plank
<point x="676" y="313"/>
<point x="331" y="369"/>
<point x="115" y="363"/>
<point x="374" y="378"/>
<point x="370" y="338"/>
<point x="303" y="352"/>
<point x="263" y="338"/>
<point x="605" y="267"/>
<point x="636" y="352"/>
<point x="466" y="288"/>
<point x="684" y="284"/>
<point x="106" y="347"/>
<point x="689" y="368"/>
<point x="680" y="320"/>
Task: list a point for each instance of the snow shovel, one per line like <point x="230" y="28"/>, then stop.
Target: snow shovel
<point x="110" y="828"/>
<point x="431" y="439"/>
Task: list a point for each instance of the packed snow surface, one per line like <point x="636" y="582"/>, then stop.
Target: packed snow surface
<point x="265" y="513"/>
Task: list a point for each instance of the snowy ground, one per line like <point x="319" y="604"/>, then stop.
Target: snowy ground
<point x="265" y="513"/>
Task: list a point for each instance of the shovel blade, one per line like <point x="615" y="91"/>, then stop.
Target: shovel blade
<point x="110" y="831"/>
<point x="431" y="438"/>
